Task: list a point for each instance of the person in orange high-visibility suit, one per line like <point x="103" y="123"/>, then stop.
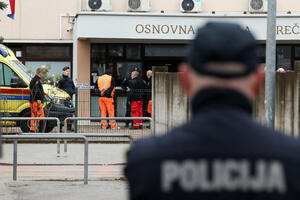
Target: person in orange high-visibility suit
<point x="36" y="99"/>
<point x="106" y="86"/>
<point x="150" y="107"/>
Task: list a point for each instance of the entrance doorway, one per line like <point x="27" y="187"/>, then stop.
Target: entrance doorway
<point x="171" y="64"/>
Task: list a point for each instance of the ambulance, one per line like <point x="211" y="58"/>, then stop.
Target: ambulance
<point x="14" y="94"/>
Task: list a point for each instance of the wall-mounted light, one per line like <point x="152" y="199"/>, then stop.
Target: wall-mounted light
<point x="70" y="28"/>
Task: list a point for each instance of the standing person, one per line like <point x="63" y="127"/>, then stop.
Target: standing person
<point x="149" y="92"/>
<point x="125" y="87"/>
<point x="106" y="86"/>
<point x="66" y="83"/>
<point x="136" y="88"/>
<point x="37" y="99"/>
<point x="222" y="152"/>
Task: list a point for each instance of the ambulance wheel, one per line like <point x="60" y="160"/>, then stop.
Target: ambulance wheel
<point x="25" y="125"/>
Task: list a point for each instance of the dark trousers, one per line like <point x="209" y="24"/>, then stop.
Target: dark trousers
<point x="128" y="111"/>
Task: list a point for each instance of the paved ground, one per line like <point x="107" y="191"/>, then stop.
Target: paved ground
<point x="30" y="190"/>
<point x="46" y="153"/>
<point x="43" y="175"/>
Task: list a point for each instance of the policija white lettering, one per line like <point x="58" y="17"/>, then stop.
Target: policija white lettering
<point x="227" y="175"/>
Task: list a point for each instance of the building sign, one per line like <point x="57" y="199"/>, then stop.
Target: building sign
<point x="175" y="27"/>
<point x="165" y="29"/>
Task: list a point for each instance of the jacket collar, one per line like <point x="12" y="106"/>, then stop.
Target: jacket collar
<point x="220" y="97"/>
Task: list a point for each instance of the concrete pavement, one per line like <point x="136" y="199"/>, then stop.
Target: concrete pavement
<point x="40" y="190"/>
<point x="46" y="153"/>
<point x="43" y="175"/>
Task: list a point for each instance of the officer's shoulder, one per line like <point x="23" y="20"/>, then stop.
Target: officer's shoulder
<point x="281" y="139"/>
<point x="154" y="147"/>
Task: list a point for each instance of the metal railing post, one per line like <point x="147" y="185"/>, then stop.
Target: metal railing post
<point x="65" y="125"/>
<point x="49" y="136"/>
<point x="76" y="109"/>
<point x="58" y="140"/>
<point x="65" y="146"/>
<point x="65" y="130"/>
<point x="15" y="157"/>
<point x="86" y="160"/>
<point x="58" y="147"/>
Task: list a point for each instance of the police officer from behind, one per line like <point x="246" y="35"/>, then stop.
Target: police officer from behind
<point x="37" y="99"/>
<point x="221" y="153"/>
<point x="66" y="83"/>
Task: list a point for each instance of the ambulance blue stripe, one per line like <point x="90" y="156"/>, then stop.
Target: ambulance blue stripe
<point x="13" y="97"/>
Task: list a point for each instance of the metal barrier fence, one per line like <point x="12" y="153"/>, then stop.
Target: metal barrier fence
<point x="87" y="102"/>
<point x="48" y="136"/>
<point x="32" y="118"/>
<point x="58" y="136"/>
<point x="116" y="132"/>
<point x="104" y="118"/>
<point x="93" y="125"/>
<point x="36" y="118"/>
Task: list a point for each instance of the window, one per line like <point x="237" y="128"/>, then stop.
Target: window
<point x="55" y="68"/>
<point x="1" y="75"/>
<point x="48" y="52"/>
<point x="165" y="50"/>
<point x="133" y="51"/>
<point x="115" y="50"/>
<point x="297" y="51"/>
<point x="125" y="68"/>
<point x="284" y="57"/>
<point x="6" y="74"/>
<point x="98" y="52"/>
<point x="261" y="54"/>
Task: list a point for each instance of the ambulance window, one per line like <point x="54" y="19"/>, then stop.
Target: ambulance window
<point x="1" y="75"/>
<point x="8" y="74"/>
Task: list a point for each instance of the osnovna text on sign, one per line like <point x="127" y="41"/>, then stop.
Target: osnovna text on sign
<point x="165" y="29"/>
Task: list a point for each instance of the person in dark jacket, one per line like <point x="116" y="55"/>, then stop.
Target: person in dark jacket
<point x="125" y="86"/>
<point x="136" y="88"/>
<point x="148" y="100"/>
<point x="36" y="99"/>
<point x="66" y="83"/>
<point x="221" y="152"/>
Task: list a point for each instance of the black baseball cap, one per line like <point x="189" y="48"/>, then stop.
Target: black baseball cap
<point x="65" y="68"/>
<point x="219" y="49"/>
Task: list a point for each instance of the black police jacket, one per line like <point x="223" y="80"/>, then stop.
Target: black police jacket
<point x="36" y="90"/>
<point x="221" y="153"/>
<point x="137" y="89"/>
<point x="66" y="84"/>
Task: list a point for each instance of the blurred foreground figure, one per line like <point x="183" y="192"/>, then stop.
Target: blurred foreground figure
<point x="221" y="153"/>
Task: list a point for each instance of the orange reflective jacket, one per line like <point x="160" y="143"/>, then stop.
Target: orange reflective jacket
<point x="104" y="83"/>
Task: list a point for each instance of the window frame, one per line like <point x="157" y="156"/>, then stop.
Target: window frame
<point x="4" y="65"/>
